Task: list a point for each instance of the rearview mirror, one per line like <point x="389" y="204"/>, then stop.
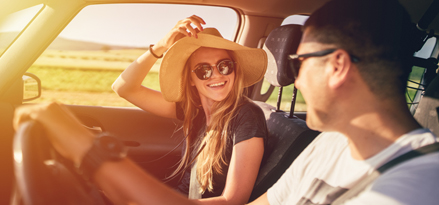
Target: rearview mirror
<point x="31" y="87"/>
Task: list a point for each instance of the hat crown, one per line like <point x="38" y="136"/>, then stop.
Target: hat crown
<point x="211" y="31"/>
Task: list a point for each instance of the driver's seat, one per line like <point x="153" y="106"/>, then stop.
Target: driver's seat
<point x="427" y="113"/>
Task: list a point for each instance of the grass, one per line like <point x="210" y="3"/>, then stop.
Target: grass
<point x="287" y="94"/>
<point x="415" y="75"/>
<point x="96" y="60"/>
<point x="85" y="78"/>
<point x="71" y="80"/>
<point x="84" y="87"/>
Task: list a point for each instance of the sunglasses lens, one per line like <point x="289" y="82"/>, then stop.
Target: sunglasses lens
<point x="226" y="67"/>
<point x="204" y="72"/>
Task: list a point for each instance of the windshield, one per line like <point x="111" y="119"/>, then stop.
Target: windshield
<point x="12" y="25"/>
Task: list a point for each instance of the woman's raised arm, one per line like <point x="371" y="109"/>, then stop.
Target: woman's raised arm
<point x="129" y="84"/>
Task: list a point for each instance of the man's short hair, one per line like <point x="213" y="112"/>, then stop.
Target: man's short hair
<point x="378" y="32"/>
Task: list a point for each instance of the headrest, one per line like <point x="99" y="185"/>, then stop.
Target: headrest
<point x="280" y="43"/>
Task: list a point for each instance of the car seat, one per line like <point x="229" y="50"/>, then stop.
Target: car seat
<point x="287" y="134"/>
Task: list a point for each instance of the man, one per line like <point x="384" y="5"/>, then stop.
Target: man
<point x="355" y="95"/>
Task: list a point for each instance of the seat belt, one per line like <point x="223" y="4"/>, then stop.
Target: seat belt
<point x="354" y="191"/>
<point x="194" y="186"/>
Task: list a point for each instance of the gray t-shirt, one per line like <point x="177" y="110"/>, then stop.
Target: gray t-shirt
<point x="248" y="123"/>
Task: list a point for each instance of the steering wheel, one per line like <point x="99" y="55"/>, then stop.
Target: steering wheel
<point x="43" y="176"/>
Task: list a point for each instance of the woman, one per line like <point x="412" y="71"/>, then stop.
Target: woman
<point x="202" y="85"/>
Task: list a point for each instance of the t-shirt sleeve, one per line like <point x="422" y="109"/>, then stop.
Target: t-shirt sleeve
<point x="249" y="123"/>
<point x="280" y="191"/>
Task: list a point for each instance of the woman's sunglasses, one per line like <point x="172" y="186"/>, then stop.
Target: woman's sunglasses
<point x="204" y="71"/>
<point x="296" y="60"/>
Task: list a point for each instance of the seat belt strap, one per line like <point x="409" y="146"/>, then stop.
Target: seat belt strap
<point x="354" y="191"/>
<point x="194" y="186"/>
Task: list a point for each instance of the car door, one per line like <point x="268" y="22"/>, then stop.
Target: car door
<point x="153" y="142"/>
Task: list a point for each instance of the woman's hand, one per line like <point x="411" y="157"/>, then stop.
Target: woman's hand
<point x="181" y="29"/>
<point x="63" y="129"/>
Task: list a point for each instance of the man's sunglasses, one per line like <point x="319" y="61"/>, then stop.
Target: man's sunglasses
<point x="204" y="71"/>
<point x="296" y="60"/>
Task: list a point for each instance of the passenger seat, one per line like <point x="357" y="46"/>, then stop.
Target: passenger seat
<point x="288" y="135"/>
<point x="427" y="113"/>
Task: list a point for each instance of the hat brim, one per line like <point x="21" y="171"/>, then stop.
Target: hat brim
<point x="252" y="61"/>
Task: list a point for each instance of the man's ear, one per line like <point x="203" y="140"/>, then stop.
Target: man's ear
<point x="341" y="64"/>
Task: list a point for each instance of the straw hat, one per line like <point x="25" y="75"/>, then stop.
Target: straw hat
<point x="252" y="61"/>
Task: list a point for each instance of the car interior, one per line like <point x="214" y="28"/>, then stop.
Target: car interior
<point x="155" y="142"/>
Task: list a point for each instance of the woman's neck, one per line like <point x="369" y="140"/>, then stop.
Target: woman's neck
<point x="207" y="107"/>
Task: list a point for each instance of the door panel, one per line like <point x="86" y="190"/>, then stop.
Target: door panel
<point x="149" y="137"/>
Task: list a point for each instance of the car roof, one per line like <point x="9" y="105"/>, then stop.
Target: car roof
<point x="266" y="8"/>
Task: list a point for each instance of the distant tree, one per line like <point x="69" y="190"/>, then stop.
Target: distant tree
<point x="105" y="48"/>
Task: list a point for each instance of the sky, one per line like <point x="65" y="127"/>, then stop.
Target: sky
<point x="141" y="25"/>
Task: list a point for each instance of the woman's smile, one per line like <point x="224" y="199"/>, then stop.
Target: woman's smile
<point x="217" y="85"/>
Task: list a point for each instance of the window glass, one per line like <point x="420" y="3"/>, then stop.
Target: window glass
<point x="418" y="72"/>
<point x="287" y="90"/>
<point x="427" y="49"/>
<point x="80" y="66"/>
<point x="13" y="24"/>
<point x="295" y="19"/>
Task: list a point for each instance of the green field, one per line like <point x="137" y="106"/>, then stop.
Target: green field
<point x="85" y="78"/>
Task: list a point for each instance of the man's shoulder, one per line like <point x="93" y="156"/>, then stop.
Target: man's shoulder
<point x="412" y="182"/>
<point x="415" y="140"/>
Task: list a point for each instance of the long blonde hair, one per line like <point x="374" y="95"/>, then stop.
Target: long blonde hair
<point x="209" y="149"/>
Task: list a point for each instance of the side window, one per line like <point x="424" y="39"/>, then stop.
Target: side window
<point x="416" y="76"/>
<point x="287" y="92"/>
<point x="80" y="66"/>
